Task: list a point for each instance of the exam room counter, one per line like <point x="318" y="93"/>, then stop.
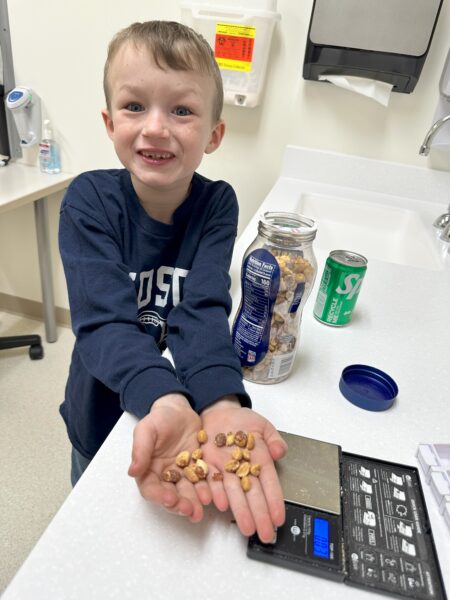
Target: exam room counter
<point x="107" y="542"/>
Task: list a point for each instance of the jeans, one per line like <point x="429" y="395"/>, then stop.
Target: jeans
<point x="79" y="465"/>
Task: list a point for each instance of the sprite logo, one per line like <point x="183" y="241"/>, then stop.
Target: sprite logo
<point x="352" y="284"/>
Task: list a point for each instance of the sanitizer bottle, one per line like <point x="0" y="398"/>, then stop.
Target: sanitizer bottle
<point x="49" y="156"/>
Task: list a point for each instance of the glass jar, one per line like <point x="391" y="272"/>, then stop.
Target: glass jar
<point x="278" y="272"/>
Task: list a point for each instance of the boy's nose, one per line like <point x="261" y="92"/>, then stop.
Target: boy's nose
<point x="155" y="124"/>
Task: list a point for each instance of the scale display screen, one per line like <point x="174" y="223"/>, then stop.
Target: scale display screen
<point x="321" y="541"/>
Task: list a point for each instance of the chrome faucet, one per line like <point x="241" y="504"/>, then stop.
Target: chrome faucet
<point x="425" y="147"/>
<point x="443" y="221"/>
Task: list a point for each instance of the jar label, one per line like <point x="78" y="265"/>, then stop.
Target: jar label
<point x="280" y="365"/>
<point x="298" y="295"/>
<point x="260" y="281"/>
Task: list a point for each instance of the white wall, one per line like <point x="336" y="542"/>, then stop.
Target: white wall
<point x="59" y="49"/>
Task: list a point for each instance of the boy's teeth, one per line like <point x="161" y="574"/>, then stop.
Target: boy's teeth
<point x="156" y="155"/>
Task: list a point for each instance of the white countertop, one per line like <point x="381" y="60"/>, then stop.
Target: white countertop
<point x="21" y="184"/>
<point x="107" y="542"/>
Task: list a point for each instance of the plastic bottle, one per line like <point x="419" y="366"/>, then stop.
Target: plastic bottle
<point x="49" y="156"/>
<point x="278" y="273"/>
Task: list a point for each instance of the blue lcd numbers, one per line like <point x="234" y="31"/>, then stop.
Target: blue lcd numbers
<point x="321" y="538"/>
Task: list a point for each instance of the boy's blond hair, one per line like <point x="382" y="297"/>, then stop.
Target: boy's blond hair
<point x="174" y="46"/>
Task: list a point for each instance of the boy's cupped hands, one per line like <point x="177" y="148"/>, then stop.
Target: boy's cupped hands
<point x="172" y="426"/>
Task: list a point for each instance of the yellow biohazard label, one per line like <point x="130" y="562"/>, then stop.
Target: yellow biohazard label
<point x="234" y="46"/>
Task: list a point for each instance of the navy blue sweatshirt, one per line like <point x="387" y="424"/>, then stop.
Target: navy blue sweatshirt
<point x="136" y="284"/>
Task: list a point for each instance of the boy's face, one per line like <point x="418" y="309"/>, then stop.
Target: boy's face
<point x="160" y="121"/>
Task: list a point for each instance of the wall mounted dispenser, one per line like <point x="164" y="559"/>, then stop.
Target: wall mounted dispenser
<point x="9" y="139"/>
<point x="383" y="40"/>
<point x="25" y="106"/>
<point x="240" y="33"/>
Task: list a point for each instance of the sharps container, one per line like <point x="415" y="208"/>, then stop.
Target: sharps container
<point x="240" y="33"/>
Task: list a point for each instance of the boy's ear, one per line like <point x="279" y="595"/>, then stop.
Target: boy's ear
<point x="216" y="137"/>
<point x="108" y="122"/>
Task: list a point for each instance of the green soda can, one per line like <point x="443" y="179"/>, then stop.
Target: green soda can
<point x="339" y="288"/>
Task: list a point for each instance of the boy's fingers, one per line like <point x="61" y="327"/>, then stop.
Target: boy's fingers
<point x="219" y="496"/>
<point x="203" y="492"/>
<point x="152" y="489"/>
<point x="273" y="493"/>
<point x="142" y="451"/>
<point x="189" y="495"/>
<point x="276" y="444"/>
<point x="239" y="505"/>
<point x="260" y="512"/>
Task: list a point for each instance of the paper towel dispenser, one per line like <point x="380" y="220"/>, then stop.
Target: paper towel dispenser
<point x="384" y="40"/>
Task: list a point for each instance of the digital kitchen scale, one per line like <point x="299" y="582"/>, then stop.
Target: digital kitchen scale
<point x="354" y="519"/>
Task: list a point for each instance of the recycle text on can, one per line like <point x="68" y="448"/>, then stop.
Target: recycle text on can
<point x="339" y="288"/>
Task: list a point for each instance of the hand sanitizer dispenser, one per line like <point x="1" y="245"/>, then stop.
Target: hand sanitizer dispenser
<point x="381" y="40"/>
<point x="25" y="106"/>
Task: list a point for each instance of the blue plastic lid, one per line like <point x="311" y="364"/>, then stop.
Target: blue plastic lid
<point x="368" y="387"/>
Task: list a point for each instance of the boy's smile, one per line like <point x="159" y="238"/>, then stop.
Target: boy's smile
<point x="161" y="124"/>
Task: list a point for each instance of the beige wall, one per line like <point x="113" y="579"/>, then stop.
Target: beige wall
<point x="59" y="50"/>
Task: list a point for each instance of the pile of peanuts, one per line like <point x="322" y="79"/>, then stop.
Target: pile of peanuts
<point x="294" y="269"/>
<point x="195" y="469"/>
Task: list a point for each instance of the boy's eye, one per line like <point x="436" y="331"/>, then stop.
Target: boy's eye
<point x="182" y="111"/>
<point x="134" y="107"/>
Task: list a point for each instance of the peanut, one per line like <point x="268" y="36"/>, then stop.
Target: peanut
<point x="232" y="466"/>
<point x="183" y="458"/>
<point x="240" y="439"/>
<point x="171" y="475"/>
<point x="201" y="469"/>
<point x="246" y="454"/>
<point x="197" y="453"/>
<point x="243" y="470"/>
<point x="277" y="319"/>
<point x="250" y="441"/>
<point x="202" y="436"/>
<point x="236" y="454"/>
<point x="220" y="440"/>
<point x="190" y="474"/>
<point x="246" y="484"/>
<point x="255" y="470"/>
<point x="230" y="438"/>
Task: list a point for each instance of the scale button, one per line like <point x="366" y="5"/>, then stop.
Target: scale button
<point x="369" y="556"/>
<point x="392" y="578"/>
<point x="408" y="548"/>
<point x="390" y="561"/>
<point x="295" y="530"/>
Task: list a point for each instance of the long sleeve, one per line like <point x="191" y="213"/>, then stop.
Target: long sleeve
<point x="112" y="344"/>
<point x="198" y="328"/>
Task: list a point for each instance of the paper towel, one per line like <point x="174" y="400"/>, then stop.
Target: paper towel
<point x="377" y="90"/>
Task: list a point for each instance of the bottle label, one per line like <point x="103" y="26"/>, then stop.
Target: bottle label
<point x="44" y="150"/>
<point x="260" y="280"/>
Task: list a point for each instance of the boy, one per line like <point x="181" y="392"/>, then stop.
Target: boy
<point x="146" y="251"/>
